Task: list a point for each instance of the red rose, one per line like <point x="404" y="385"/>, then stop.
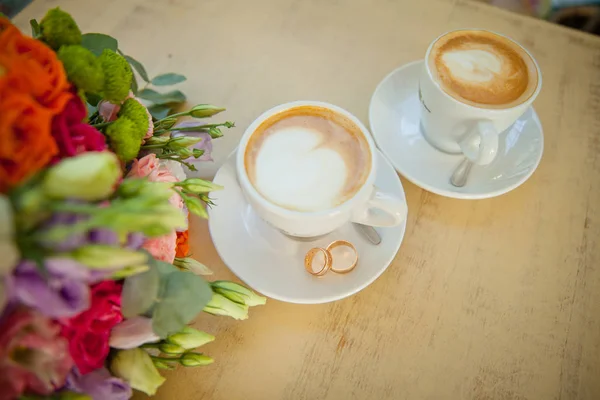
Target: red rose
<point x="88" y="333"/>
<point x="71" y="134"/>
<point x="33" y="357"/>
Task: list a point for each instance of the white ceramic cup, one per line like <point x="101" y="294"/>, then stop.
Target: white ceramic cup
<point x="456" y="127"/>
<point x="368" y="205"/>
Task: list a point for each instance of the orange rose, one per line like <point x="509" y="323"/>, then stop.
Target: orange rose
<point x="26" y="142"/>
<point x="33" y="89"/>
<point x="183" y="245"/>
<point x="31" y="66"/>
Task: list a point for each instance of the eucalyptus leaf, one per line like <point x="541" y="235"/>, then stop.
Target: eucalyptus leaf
<point x="91" y="109"/>
<point x="168" y="79"/>
<point x="97" y="42"/>
<point x="93" y="99"/>
<point x="164" y="268"/>
<point x="134" y="84"/>
<point x="36" y="31"/>
<point x="174" y="96"/>
<point x="140" y="292"/>
<point x="183" y="295"/>
<point x="159" y="111"/>
<point x="138" y="67"/>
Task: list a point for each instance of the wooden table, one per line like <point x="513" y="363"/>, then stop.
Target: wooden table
<point x="491" y="299"/>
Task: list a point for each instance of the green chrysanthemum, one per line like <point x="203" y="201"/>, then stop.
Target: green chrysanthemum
<point x="124" y="139"/>
<point x="83" y="68"/>
<point x="117" y="76"/>
<point x="59" y="29"/>
<point x="137" y="113"/>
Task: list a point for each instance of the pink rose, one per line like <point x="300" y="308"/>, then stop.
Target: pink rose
<point x="162" y="247"/>
<point x="146" y="166"/>
<point x="33" y="357"/>
<point x="89" y="332"/>
<point x="149" y="166"/>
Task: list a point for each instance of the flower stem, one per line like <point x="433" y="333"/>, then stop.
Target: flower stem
<point x="226" y="124"/>
<point x="102" y="124"/>
<point x="154" y="146"/>
<point x="165" y="359"/>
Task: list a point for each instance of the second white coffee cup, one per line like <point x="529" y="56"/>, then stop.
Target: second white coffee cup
<point x="455" y="126"/>
<point x="366" y="205"/>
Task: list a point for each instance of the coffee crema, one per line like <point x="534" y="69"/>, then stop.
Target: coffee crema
<point x="307" y="159"/>
<point x="483" y="69"/>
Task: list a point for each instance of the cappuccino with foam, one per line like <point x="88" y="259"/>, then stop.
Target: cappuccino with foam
<point x="483" y="69"/>
<point x="307" y="159"/>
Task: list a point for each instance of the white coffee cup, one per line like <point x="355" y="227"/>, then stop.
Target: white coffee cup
<point x="454" y="126"/>
<point x="367" y="206"/>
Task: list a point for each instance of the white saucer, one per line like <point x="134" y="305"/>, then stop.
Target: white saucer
<point x="273" y="264"/>
<point x="394" y="115"/>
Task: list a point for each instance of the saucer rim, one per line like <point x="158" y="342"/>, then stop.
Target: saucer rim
<point x="443" y="192"/>
<point x="308" y="300"/>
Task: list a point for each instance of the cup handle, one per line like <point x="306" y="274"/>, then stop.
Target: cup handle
<point x="382" y="210"/>
<point x="480" y="144"/>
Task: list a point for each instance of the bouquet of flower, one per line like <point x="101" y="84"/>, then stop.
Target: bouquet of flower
<point x="97" y="286"/>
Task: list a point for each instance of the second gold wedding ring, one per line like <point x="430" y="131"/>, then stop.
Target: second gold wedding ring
<point x="328" y="259"/>
<point x="339" y="243"/>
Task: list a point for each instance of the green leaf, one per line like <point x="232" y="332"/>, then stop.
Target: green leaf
<point x="93" y="99"/>
<point x="90" y="108"/>
<point x="182" y="296"/>
<point x="138" y="67"/>
<point x="97" y="42"/>
<point x="140" y="292"/>
<point x="174" y="96"/>
<point x="35" y="28"/>
<point x="134" y="84"/>
<point x="167" y="79"/>
<point x="159" y="111"/>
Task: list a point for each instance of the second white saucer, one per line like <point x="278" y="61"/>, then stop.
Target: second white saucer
<point x="394" y="117"/>
<point x="273" y="264"/>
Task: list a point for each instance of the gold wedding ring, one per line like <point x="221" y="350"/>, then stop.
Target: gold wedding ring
<point x="328" y="259"/>
<point x="308" y="261"/>
<point x="345" y="243"/>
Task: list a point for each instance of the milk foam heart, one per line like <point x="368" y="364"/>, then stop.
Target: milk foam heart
<point x="307" y="160"/>
<point x="483" y="69"/>
<point x="473" y="65"/>
<point x="293" y="171"/>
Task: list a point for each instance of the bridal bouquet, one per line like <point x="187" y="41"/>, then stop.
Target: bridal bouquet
<point x="97" y="286"/>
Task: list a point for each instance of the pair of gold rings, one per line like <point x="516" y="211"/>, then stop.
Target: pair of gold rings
<point x="328" y="259"/>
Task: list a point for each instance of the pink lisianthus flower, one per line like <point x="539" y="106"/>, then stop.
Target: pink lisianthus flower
<point x="162" y="248"/>
<point x="71" y="134"/>
<point x="33" y="357"/>
<point x="108" y="111"/>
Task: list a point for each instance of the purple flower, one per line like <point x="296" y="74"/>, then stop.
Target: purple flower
<point x="135" y="240"/>
<point x="73" y="241"/>
<point x="103" y="236"/>
<point x="205" y="144"/>
<point x="63" y="293"/>
<point x="99" y="385"/>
